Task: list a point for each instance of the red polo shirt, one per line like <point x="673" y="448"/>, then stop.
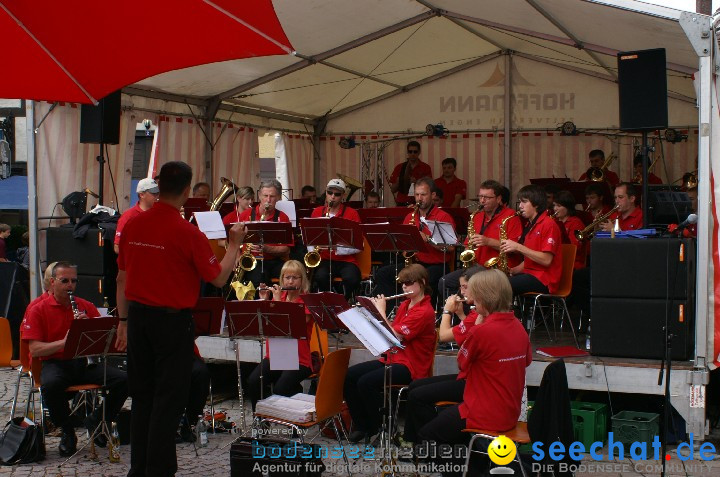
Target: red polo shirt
<point x="124" y="218"/>
<point x="572" y="224"/>
<point x="346" y="213"/>
<point x="416" y="326"/>
<point x="460" y="331"/>
<point x="431" y="254"/>
<point x="544" y="236"/>
<point x="634" y="220"/>
<point x="451" y="189"/>
<point x="421" y="169"/>
<point x="49" y="321"/>
<point x="610" y="177"/>
<point x="165" y="257"/>
<point x="489" y="226"/>
<point x="494" y="357"/>
<point x="247" y="216"/>
<point x="231" y="218"/>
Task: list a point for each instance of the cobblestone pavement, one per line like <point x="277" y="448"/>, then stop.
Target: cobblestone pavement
<point x="215" y="458"/>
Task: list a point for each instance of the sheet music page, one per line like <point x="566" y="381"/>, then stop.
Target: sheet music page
<point x="441" y="232"/>
<point x="374" y="340"/>
<point x="388" y="334"/>
<point x="210" y="223"/>
<point x="288" y="206"/>
<point x="283" y="354"/>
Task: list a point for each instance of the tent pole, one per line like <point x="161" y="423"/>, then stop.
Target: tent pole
<point x="507" y="126"/>
<point x="34" y="270"/>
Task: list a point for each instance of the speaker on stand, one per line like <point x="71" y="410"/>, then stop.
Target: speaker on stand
<point x="101" y="125"/>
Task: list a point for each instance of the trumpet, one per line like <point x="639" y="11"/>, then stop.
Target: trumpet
<point x="588" y="232"/>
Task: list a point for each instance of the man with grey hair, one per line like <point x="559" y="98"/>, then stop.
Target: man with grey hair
<point x="273" y="255"/>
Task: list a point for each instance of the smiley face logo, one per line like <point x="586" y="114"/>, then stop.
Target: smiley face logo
<point x="502" y="450"/>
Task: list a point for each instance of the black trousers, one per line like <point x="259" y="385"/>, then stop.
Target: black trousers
<point x="160" y="360"/>
<point x="199" y="389"/>
<point x="385" y="278"/>
<point x="524" y="283"/>
<point x="349" y="272"/>
<point x="264" y="272"/>
<point x="422" y="396"/>
<point x="363" y="392"/>
<point x="446" y="428"/>
<point x="450" y="283"/>
<point x="58" y="374"/>
<point x="285" y="383"/>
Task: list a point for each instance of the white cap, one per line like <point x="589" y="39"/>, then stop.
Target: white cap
<point x="336" y="184"/>
<point x="147" y="185"/>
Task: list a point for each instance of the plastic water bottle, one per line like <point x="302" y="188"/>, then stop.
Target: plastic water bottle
<point x="587" y="337"/>
<point x="201" y="432"/>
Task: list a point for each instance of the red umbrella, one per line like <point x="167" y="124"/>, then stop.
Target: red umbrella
<point x="82" y="50"/>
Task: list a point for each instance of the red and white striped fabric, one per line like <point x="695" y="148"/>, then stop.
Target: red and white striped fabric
<point x="300" y="163"/>
<point x="181" y="139"/>
<point x="235" y="155"/>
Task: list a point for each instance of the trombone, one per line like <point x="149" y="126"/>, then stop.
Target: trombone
<point x="597" y="174"/>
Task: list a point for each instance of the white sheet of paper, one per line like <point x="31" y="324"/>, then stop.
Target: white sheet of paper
<point x="210" y="223"/>
<point x="288" y="206"/>
<point x="103" y="311"/>
<point x="283" y="354"/>
<point x="447" y="236"/>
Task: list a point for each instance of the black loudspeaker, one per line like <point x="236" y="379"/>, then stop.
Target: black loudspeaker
<point x="101" y="123"/>
<point x="655" y="268"/>
<point x="667" y="206"/>
<point x="633" y="328"/>
<point x="95" y="288"/>
<point x="642" y="90"/>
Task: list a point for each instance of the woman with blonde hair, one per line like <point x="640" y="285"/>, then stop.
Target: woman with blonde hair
<point x="293" y="283"/>
<point x="493" y="359"/>
<point x="414" y="326"/>
<point x="243" y="200"/>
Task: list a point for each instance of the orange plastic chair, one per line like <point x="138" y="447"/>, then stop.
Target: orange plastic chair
<point x="6" y="346"/>
<point x="321" y="346"/>
<point x="364" y="258"/>
<point x="519" y="435"/>
<point x="567" y="253"/>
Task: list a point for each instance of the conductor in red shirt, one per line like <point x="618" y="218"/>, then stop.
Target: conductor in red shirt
<point x="162" y="260"/>
<point x="408" y="173"/>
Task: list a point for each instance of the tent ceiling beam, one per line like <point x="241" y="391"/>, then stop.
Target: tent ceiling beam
<point x="175" y="98"/>
<point x="578" y="43"/>
<point x="461" y="24"/>
<point x="559" y="64"/>
<point x="417" y="84"/>
<point x="352" y="72"/>
<point x="327" y="54"/>
<point x="289" y="117"/>
<point x="556" y="39"/>
<point x="282" y="112"/>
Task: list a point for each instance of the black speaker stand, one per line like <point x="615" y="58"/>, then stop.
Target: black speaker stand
<point x="645" y="197"/>
<point x="101" y="161"/>
<point x="665" y="368"/>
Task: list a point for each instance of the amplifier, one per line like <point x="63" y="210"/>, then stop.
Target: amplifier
<point x="633" y="328"/>
<point x="92" y="254"/>
<point x="643" y="268"/>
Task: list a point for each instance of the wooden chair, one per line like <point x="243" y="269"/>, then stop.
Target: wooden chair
<point x="519" y="435"/>
<point x="328" y="400"/>
<point x="6" y="346"/>
<point x="567" y="253"/>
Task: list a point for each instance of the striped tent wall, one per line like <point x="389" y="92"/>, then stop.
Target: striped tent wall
<point x="181" y="139"/>
<point x="300" y="163"/>
<point x="234" y="155"/>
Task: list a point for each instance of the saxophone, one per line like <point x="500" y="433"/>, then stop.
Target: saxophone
<point x="467" y="256"/>
<point x="500" y="262"/>
<point x="409" y="255"/>
<point x="312" y="259"/>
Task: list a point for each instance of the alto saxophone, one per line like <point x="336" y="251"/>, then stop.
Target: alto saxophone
<point x="409" y="255"/>
<point x="468" y="255"/>
<point x="501" y="262"/>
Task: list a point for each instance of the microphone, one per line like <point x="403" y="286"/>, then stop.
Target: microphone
<point x="691" y="219"/>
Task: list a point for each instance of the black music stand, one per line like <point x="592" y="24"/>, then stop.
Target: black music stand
<point x="394" y="238"/>
<point x="377" y="215"/>
<point x="442" y="238"/>
<point x="324" y="308"/>
<point x="260" y="319"/>
<point x="331" y="233"/>
<point x="194" y="204"/>
<point x="559" y="182"/>
<point x="262" y="233"/>
<point x="92" y="337"/>
<point x="207" y="316"/>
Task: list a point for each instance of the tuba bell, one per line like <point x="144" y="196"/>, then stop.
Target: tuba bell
<point x="228" y="188"/>
<point x="351" y="184"/>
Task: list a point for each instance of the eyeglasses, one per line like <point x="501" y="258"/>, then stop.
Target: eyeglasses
<point x="486" y="197"/>
<point x="64" y="281"/>
<point x="334" y="194"/>
<point x="407" y="283"/>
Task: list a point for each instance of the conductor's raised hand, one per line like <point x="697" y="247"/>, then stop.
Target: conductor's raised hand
<point x="237" y="234"/>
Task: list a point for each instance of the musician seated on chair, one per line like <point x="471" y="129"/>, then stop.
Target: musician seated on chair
<point x="344" y="259"/>
<point x="566" y="216"/>
<point x="493" y="359"/>
<point x="46" y="328"/>
<point x="308" y="192"/>
<point x="432" y="256"/>
<point x="372" y="200"/>
<point x="628" y="216"/>
<point x="414" y="326"/>
<point x="539" y="244"/>
<point x="485" y="236"/>
<point x="243" y="201"/>
<point x="424" y="393"/>
<point x="273" y="255"/>
<point x="595" y="200"/>
<point x="147" y="191"/>
<point x="293" y="283"/>
<point x="407" y="173"/>
<point x="597" y="160"/>
<point x="201" y="190"/>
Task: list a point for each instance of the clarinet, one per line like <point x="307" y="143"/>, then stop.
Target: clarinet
<point x="76" y="314"/>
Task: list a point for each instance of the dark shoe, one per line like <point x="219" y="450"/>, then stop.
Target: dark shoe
<point x="68" y="443"/>
<point x="357" y="436"/>
<point x="91" y="424"/>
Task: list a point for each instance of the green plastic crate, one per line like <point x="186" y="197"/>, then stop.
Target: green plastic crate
<point x="631" y="426"/>
<point x="589" y="422"/>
